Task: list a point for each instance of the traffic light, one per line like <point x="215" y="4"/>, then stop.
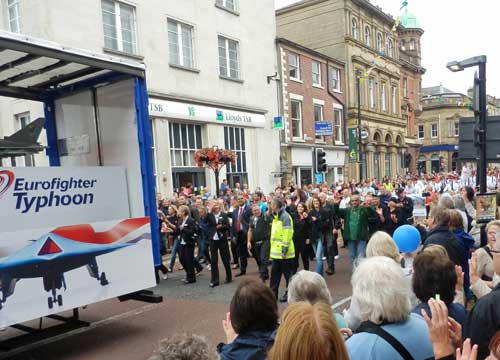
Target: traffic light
<point x="319" y="155"/>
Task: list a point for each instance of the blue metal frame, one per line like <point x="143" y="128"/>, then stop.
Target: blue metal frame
<point x="146" y="157"/>
<point x="52" y="150"/>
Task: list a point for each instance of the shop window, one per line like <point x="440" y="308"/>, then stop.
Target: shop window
<point x="234" y="139"/>
<point x="185" y="139"/>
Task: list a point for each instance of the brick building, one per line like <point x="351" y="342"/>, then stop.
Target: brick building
<point x="312" y="90"/>
<point x="363" y="36"/>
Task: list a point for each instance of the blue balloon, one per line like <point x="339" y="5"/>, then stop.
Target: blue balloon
<point x="407" y="238"/>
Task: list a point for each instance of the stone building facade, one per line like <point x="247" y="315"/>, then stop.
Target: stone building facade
<point x="207" y="65"/>
<point x="312" y="90"/>
<point x="362" y="35"/>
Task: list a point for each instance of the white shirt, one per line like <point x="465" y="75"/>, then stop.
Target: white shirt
<point x="182" y="227"/>
<point x="217" y="217"/>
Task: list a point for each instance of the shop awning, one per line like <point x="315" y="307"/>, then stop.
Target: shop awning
<point x="434" y="148"/>
<point x="33" y="68"/>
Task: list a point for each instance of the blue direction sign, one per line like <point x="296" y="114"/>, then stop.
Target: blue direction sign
<point x="318" y="177"/>
<point x="323" y="128"/>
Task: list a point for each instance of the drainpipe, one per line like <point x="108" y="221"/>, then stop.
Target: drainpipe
<point x="344" y="112"/>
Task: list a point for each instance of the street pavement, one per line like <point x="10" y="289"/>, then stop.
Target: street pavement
<point x="131" y="330"/>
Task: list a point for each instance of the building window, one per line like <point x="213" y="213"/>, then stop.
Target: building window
<point x="318" y="116"/>
<point x="421" y="132"/>
<point x="180" y="43"/>
<point x="294" y="66"/>
<point x="337" y="124"/>
<point x="405" y="87"/>
<point x="228" y="4"/>
<point x="119" y="25"/>
<point x="403" y="45"/>
<point x="434" y="131"/>
<point x="368" y="36"/>
<point x="412" y="44"/>
<point x="453" y="128"/>
<point x="229" y="58"/>
<point x="390" y="48"/>
<point x="383" y="104"/>
<point x="336" y="79"/>
<point x="387" y="164"/>
<point x="371" y="92"/>
<point x="380" y="43"/>
<point x="14" y="16"/>
<point x="296" y="119"/>
<point x="185" y="139"/>
<point x="354" y="28"/>
<point x="234" y="139"/>
<point x="316" y="73"/>
<point x="394" y="102"/>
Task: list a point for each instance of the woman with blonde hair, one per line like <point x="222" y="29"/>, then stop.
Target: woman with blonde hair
<point x="320" y="338"/>
<point x="382" y="244"/>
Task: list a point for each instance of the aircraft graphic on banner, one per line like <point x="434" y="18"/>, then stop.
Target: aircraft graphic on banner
<point x="64" y="249"/>
<point x="23" y="142"/>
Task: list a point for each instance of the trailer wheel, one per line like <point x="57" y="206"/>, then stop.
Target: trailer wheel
<point x="59" y="300"/>
<point x="103" y="279"/>
<point x="50" y="302"/>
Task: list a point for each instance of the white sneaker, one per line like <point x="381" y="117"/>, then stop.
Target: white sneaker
<point x="337" y="257"/>
<point x="209" y="267"/>
<point x="324" y="258"/>
<point x="165" y="276"/>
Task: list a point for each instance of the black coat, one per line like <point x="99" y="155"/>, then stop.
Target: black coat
<point x="322" y="224"/>
<point x="245" y="218"/>
<point x="223" y="232"/>
<point x="389" y="225"/>
<point x="190" y="232"/>
<point x="483" y="321"/>
<point x="441" y="235"/>
<point x="301" y="227"/>
<point x="406" y="210"/>
<point x="261" y="230"/>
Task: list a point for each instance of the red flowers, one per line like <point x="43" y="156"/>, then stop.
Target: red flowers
<point x="214" y="158"/>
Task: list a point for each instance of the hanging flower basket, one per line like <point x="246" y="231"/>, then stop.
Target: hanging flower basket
<point x="214" y="158"/>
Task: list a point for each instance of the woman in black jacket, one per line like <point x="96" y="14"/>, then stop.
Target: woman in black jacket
<point x="320" y="223"/>
<point x="301" y="236"/>
<point x="395" y="217"/>
<point x="188" y="230"/>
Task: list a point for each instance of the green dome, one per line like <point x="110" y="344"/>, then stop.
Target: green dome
<point x="408" y="20"/>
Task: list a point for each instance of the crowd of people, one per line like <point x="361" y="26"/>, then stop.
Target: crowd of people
<point x="440" y="301"/>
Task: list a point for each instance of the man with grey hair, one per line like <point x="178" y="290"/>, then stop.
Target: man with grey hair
<point x="185" y="347"/>
<point x="311" y="287"/>
<point x="381" y="299"/>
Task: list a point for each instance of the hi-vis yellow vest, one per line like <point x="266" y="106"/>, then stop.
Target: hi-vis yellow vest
<point x="282" y="236"/>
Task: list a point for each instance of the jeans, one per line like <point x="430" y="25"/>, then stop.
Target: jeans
<point x="357" y="249"/>
<point x="175" y="249"/>
<point x="205" y="251"/>
<point x="318" y="250"/>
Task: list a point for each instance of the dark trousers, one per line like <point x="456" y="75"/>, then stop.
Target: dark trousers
<point x="241" y="243"/>
<point x="333" y="250"/>
<point x="280" y="267"/>
<point x="301" y="251"/>
<point x="261" y="250"/>
<point x="188" y="262"/>
<point x="234" y="251"/>
<point x="216" y="247"/>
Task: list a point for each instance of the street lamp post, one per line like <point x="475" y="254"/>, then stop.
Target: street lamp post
<point x="482" y="163"/>
<point x="358" y="90"/>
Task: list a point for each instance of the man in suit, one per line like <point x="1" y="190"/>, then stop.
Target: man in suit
<point x="218" y="230"/>
<point x="258" y="243"/>
<point x="355" y="224"/>
<point x="241" y="220"/>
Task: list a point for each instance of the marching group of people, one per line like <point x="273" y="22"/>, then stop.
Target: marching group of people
<point x="414" y="305"/>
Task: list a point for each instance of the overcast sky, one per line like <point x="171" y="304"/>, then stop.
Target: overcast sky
<point x="454" y="30"/>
